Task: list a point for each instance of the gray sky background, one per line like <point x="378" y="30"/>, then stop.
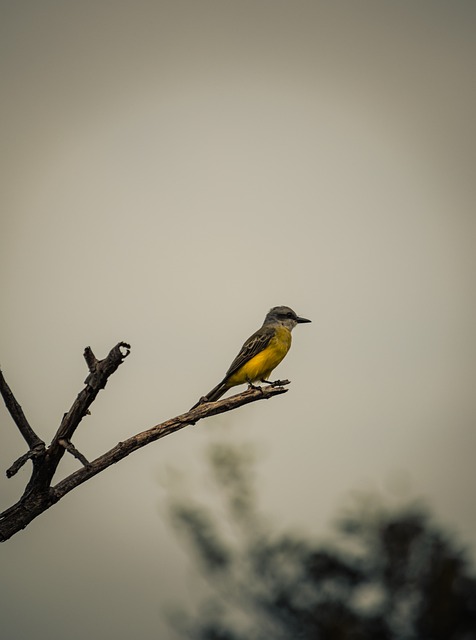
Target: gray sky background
<point x="170" y="171"/>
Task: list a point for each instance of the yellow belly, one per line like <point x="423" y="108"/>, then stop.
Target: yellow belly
<point x="261" y="365"/>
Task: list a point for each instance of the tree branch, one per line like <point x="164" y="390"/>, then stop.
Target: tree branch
<point x="18" y="416"/>
<point x="39" y="494"/>
<point x="100" y="370"/>
<point x="32" y="454"/>
<point x="70" y="448"/>
<point x="123" y="449"/>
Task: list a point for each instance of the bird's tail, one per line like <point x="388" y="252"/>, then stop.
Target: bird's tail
<point x="213" y="395"/>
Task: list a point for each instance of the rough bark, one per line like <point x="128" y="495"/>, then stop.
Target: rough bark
<point x="40" y="493"/>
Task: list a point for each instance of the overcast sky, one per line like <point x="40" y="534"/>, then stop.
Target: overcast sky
<point x="170" y="171"/>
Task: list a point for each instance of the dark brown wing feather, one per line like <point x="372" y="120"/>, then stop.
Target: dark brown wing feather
<point x="254" y="345"/>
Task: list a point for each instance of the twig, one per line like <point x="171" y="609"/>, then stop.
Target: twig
<point x="91" y="360"/>
<point x="18" y="416"/>
<point x="100" y="370"/>
<point x="70" y="448"/>
<point x="37" y="452"/>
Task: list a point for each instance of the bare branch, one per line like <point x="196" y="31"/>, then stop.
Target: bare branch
<point x="18" y="416"/>
<point x="91" y="360"/>
<point x="70" y="448"/>
<point x="123" y="449"/>
<point x="39" y="494"/>
<point x="37" y="452"/>
<point x="100" y="370"/>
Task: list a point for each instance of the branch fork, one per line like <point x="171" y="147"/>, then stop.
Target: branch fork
<point x="41" y="493"/>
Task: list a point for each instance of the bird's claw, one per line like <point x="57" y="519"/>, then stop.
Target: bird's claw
<point x="275" y="383"/>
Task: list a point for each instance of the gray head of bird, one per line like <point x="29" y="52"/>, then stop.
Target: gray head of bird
<point x="284" y="316"/>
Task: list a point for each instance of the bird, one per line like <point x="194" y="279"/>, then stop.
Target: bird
<point x="260" y="354"/>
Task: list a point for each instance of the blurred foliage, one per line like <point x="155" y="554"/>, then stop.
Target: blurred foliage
<point x="387" y="575"/>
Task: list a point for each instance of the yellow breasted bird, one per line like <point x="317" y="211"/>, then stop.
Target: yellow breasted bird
<point x="260" y="354"/>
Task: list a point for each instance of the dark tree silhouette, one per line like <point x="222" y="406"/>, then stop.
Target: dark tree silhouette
<point x="388" y="575"/>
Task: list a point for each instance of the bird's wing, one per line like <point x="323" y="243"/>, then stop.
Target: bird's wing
<point x="254" y="345"/>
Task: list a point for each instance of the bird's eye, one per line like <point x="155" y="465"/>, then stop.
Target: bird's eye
<point x="289" y="314"/>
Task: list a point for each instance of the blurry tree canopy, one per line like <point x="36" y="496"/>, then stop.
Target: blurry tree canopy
<point x="387" y="575"/>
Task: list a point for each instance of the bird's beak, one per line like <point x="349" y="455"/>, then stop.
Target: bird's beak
<point x="301" y="320"/>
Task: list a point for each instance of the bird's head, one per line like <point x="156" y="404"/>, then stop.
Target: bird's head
<point x="285" y="316"/>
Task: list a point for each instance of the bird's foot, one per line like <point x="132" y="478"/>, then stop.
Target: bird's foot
<point x="255" y="387"/>
<point x="276" y="383"/>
